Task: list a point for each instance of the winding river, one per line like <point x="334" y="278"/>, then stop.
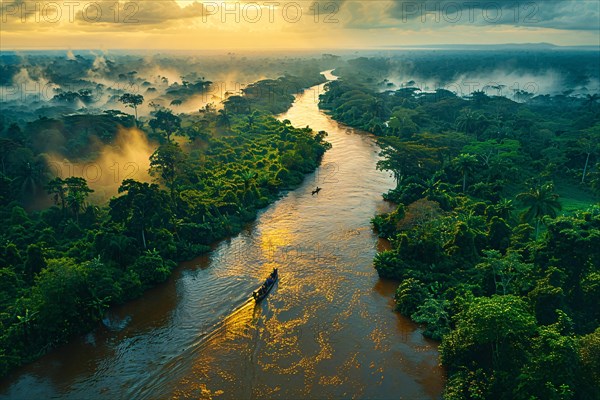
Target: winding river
<point x="326" y="330"/>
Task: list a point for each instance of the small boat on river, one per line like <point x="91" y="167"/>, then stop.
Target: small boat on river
<point x="264" y="290"/>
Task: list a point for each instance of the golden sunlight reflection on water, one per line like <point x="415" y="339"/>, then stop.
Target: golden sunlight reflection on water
<point x="326" y="330"/>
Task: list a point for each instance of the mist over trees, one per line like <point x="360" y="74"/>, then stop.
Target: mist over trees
<point x="495" y="236"/>
<point x="65" y="258"/>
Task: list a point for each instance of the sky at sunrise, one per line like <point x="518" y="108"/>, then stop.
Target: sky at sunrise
<point x="269" y="25"/>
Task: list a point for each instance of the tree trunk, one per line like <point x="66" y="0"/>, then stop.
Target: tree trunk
<point x="144" y="239"/>
<point x="587" y="160"/>
<point x="464" y="181"/>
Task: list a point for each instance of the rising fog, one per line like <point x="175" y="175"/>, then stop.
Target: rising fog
<point x="126" y="158"/>
<point x="65" y="94"/>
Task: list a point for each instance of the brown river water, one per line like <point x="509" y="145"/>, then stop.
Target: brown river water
<point x="327" y="330"/>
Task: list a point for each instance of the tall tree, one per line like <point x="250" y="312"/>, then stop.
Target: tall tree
<point x="141" y="206"/>
<point x="251" y="119"/>
<point x="165" y="121"/>
<point x="406" y="158"/>
<point x="491" y="331"/>
<point x="168" y="162"/>
<point x="34" y="262"/>
<point x="223" y="119"/>
<point x="540" y="201"/>
<point x="470" y="122"/>
<point x="591" y="100"/>
<point x="589" y="146"/>
<point x="466" y="164"/>
<point x="56" y="189"/>
<point x="133" y="101"/>
<point x="77" y="192"/>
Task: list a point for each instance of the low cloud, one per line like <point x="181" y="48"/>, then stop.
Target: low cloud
<point x="343" y="23"/>
<point x="556" y="14"/>
<point x="146" y="12"/>
<point x="432" y="14"/>
<point x="27" y="14"/>
<point x="126" y="158"/>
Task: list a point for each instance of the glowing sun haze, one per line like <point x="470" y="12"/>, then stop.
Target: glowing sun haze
<point x="268" y="25"/>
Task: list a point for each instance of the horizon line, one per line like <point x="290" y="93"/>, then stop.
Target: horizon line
<point x="323" y="49"/>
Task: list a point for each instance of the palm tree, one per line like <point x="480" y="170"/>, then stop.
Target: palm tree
<point x="471" y="122"/>
<point x="591" y="100"/>
<point x="466" y="120"/>
<point x="251" y="118"/>
<point x="466" y="164"/>
<point x="223" y="119"/>
<point x="541" y="201"/>
<point x="588" y="147"/>
<point x="249" y="178"/>
<point x="56" y="188"/>
<point x="503" y="208"/>
<point x="433" y="186"/>
<point x="377" y="107"/>
<point x="77" y="192"/>
<point x="25" y="322"/>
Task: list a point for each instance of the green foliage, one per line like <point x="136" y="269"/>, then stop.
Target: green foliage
<point x="511" y="302"/>
<point x="405" y="159"/>
<point x="433" y="312"/>
<point x="61" y="301"/>
<point x="507" y="271"/>
<point x="409" y="296"/>
<point x="165" y="122"/>
<point x="385" y="224"/>
<point x="540" y="201"/>
<point x="388" y="265"/>
<point x="132" y="100"/>
<point x="34" y="263"/>
<point x="466" y="164"/>
<point x="167" y="163"/>
<point x="271" y="95"/>
<point x="552" y="370"/>
<point x="151" y="268"/>
<point x="472" y="384"/>
<point x="71" y="193"/>
<point x="589" y="353"/>
<point x="61" y="268"/>
<point x="491" y="333"/>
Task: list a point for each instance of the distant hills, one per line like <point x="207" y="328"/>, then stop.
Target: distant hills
<point x="499" y="46"/>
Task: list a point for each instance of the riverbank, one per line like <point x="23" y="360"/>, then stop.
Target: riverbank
<point x="103" y="256"/>
<point x="487" y="254"/>
<point x="197" y="334"/>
